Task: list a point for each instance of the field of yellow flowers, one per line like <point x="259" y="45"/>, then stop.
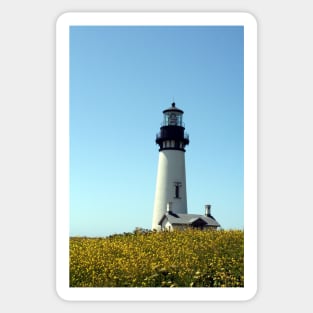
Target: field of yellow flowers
<point x="189" y="258"/>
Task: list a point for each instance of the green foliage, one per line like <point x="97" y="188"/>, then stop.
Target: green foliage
<point x="189" y="258"/>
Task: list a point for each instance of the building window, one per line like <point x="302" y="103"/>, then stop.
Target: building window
<point x="177" y="189"/>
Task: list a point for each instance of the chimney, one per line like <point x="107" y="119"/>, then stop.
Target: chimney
<point x="169" y="207"/>
<point x="207" y="209"/>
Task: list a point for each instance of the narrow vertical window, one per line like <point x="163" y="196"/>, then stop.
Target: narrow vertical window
<point x="176" y="191"/>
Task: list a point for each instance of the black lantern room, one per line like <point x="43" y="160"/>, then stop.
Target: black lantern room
<point x="172" y="132"/>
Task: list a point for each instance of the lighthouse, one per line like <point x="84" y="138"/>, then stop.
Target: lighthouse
<point x="171" y="192"/>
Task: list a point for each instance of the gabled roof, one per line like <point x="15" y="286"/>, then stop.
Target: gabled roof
<point x="188" y="219"/>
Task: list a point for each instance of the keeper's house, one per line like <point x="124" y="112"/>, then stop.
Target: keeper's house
<point x="172" y="221"/>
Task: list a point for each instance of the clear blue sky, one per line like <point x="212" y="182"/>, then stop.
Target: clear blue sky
<point x="121" y="78"/>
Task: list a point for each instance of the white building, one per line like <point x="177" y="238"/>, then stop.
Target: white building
<point x="171" y="176"/>
<point x="171" y="220"/>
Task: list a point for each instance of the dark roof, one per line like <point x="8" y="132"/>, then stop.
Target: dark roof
<point x="188" y="219"/>
<point x="173" y="108"/>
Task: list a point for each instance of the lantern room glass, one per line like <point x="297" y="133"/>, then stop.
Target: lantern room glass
<point x="173" y="119"/>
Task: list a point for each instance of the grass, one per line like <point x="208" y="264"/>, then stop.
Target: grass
<point x="188" y="258"/>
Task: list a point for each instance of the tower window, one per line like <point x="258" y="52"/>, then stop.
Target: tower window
<point x="177" y="189"/>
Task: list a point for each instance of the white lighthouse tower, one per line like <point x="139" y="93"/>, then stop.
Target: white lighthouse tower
<point x="170" y="193"/>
